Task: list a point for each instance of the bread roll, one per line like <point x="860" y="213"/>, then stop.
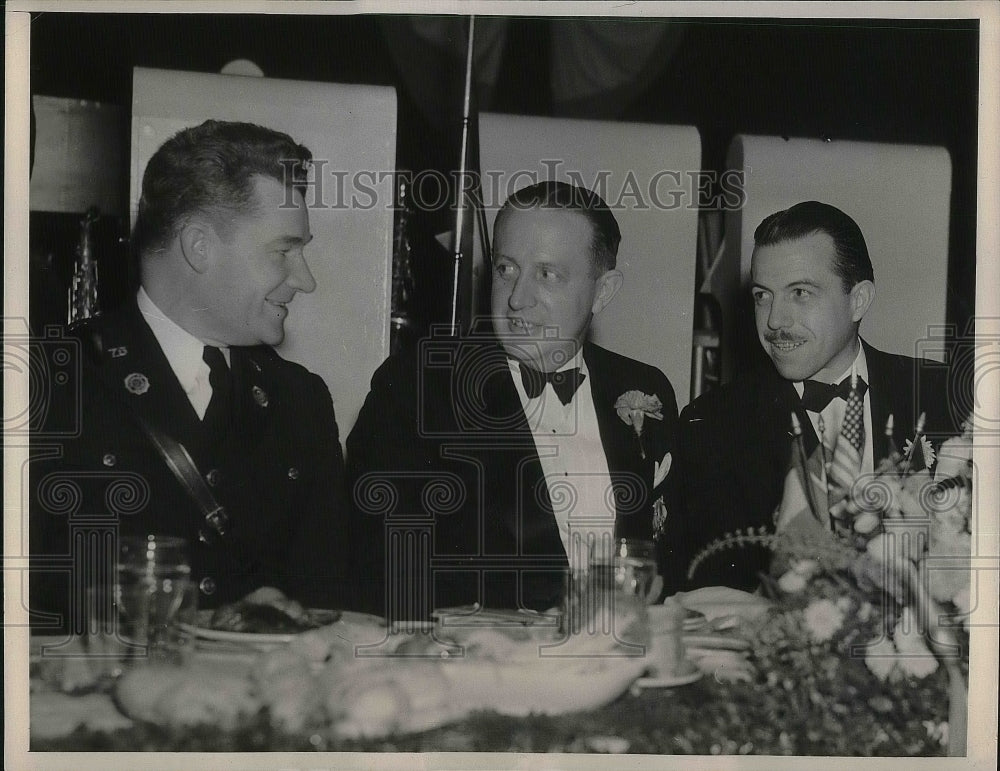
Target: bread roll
<point x="200" y="693"/>
<point x="376" y="697"/>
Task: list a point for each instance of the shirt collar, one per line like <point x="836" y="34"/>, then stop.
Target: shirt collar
<point x="577" y="362"/>
<point x="182" y="349"/>
<point x="860" y="361"/>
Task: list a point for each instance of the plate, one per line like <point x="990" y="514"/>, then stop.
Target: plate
<point x="238" y="638"/>
<point x="669" y="682"/>
<point x="475" y="615"/>
<point x="203" y="631"/>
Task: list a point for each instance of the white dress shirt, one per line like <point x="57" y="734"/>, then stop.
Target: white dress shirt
<point x="569" y="446"/>
<point x="183" y="351"/>
<point x="833" y="414"/>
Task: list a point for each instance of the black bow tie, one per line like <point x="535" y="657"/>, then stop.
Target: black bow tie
<point x="816" y="395"/>
<point x="564" y="382"/>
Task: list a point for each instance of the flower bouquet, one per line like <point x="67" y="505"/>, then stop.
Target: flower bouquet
<point x="869" y="626"/>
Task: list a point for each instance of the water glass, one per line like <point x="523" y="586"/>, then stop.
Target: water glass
<point x="609" y="596"/>
<point x="635" y="567"/>
<point x="139" y="619"/>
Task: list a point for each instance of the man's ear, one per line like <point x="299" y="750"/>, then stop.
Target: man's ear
<point x="862" y="297"/>
<point x="196" y="244"/>
<point x="607" y="287"/>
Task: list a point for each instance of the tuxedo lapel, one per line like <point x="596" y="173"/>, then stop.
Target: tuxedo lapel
<point x="518" y="495"/>
<point x="886" y="398"/>
<point x="501" y="404"/>
<point x="621" y="447"/>
<point x="761" y="444"/>
<point x="631" y="475"/>
<point x="782" y="401"/>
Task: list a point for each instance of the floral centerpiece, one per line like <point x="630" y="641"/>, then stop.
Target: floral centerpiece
<point x="870" y="620"/>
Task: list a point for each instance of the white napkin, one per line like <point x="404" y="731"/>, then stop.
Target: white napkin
<point x="715" y="602"/>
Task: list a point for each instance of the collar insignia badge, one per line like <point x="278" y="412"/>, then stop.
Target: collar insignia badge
<point x="260" y="396"/>
<point x="136" y="383"/>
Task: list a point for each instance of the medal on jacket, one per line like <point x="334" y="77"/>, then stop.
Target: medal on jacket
<point x="136" y="383"/>
<point x="260" y="396"/>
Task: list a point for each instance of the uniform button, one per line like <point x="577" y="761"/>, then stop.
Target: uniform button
<point x="213" y="477"/>
<point x="109" y="460"/>
<point x="293" y="473"/>
<point x="207" y="585"/>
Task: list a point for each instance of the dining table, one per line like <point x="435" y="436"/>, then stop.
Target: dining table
<point x="726" y="706"/>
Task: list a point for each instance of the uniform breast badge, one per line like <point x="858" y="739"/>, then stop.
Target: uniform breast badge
<point x="137" y="383"/>
<point x="260" y="396"/>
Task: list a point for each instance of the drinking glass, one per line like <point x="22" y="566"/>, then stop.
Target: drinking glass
<point x="635" y="567"/>
<point x="139" y="619"/>
<point x="153" y="589"/>
<point x="609" y="597"/>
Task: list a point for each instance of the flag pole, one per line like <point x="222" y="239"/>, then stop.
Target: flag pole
<point x="908" y="459"/>
<point x="826" y="464"/>
<point x="462" y="172"/>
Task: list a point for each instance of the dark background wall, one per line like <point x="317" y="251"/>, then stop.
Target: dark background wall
<point x="891" y="81"/>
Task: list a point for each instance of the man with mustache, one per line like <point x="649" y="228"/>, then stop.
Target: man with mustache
<point x="187" y="367"/>
<point x="501" y="457"/>
<point x="812" y="283"/>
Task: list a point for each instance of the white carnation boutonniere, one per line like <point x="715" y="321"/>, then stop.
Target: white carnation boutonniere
<point x="633" y="407"/>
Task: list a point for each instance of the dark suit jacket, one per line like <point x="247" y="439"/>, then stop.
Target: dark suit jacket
<point x="448" y="484"/>
<point x="733" y="453"/>
<point x="279" y="470"/>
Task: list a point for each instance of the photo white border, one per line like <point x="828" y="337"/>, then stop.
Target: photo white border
<point x="984" y="643"/>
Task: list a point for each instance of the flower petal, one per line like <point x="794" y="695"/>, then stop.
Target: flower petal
<point x="881" y="658"/>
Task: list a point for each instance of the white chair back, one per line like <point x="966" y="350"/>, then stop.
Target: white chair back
<point x="646" y="174"/>
<point x="898" y="194"/>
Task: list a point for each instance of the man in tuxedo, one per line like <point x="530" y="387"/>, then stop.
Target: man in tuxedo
<point x="187" y="368"/>
<point x="812" y="283"/>
<point x="483" y="467"/>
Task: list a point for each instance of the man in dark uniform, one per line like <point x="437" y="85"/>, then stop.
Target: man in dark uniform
<point x="812" y="283"/>
<point x="221" y="229"/>
<point x="484" y="466"/>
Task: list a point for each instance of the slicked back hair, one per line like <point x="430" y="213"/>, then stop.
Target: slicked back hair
<point x="605" y="233"/>
<point x="852" y="262"/>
